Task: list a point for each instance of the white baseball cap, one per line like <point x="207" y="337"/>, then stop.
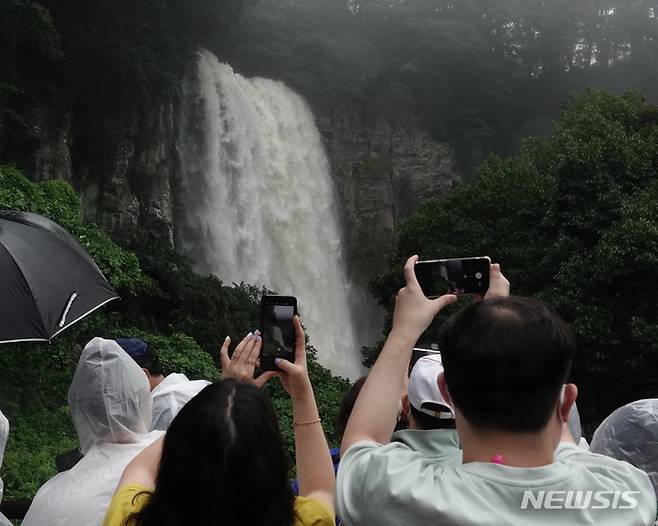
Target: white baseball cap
<point x="424" y="387"/>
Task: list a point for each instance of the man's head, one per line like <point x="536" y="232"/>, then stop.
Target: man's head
<point x="428" y="409"/>
<point x="145" y="357"/>
<point x="506" y="361"/>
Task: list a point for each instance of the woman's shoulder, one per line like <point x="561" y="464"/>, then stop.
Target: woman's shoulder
<point x="312" y="512"/>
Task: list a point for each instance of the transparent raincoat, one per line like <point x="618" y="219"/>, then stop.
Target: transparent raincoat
<point x="631" y="433"/>
<point x="110" y="403"/>
<point x="170" y="396"/>
<point x="4" y="435"/>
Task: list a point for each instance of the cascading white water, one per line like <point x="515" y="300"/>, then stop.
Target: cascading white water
<point x="259" y="203"/>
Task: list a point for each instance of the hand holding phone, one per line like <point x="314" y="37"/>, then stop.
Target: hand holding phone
<point x="413" y="311"/>
<point x="453" y="276"/>
<point x="499" y="285"/>
<point x="294" y="376"/>
<point x="242" y="364"/>
<point x="278" y="331"/>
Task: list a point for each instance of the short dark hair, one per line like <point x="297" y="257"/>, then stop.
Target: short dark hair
<point x="143" y="354"/>
<point x="505" y="362"/>
<point x="426" y="422"/>
<point x="151" y="362"/>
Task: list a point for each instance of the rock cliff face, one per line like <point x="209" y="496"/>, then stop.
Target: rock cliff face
<point x="383" y="166"/>
<point x="152" y="173"/>
<point x="51" y="133"/>
<point x="129" y="187"/>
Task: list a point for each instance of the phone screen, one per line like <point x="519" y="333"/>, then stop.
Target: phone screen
<point x="277" y="330"/>
<point x="455" y="276"/>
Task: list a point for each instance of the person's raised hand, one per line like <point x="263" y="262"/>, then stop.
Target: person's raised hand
<point x="498" y="284"/>
<point x="413" y="310"/>
<point x="242" y="364"/>
<point x="294" y="376"/>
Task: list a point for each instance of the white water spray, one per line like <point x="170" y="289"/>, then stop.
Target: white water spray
<point x="259" y="202"/>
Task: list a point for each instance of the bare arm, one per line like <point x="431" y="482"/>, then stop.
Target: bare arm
<point x="382" y="390"/>
<point x="315" y="469"/>
<point x="375" y="411"/>
<point x="143" y="469"/>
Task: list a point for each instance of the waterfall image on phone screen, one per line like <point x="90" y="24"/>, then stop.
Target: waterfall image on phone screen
<point x="256" y="201"/>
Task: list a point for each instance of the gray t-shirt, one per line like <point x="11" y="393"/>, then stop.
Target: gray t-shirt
<point x="395" y="485"/>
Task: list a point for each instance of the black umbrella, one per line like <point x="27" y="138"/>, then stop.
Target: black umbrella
<point x="47" y="280"/>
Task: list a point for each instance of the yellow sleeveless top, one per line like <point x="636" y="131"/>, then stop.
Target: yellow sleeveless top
<point x="130" y="498"/>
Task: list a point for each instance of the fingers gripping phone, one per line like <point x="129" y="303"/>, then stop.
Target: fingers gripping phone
<point x="453" y="276"/>
<point x="277" y="330"/>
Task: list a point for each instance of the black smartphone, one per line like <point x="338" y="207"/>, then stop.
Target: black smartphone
<point x="453" y="276"/>
<point x="277" y="330"/>
<point x="418" y="353"/>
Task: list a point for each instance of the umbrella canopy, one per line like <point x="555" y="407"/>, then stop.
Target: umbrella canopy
<point x="47" y="280"/>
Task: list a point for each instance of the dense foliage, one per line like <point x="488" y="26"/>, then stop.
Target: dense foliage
<point x="181" y="314"/>
<point x="480" y="74"/>
<point x="573" y="220"/>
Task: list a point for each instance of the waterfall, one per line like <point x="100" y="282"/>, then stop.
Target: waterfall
<point x="256" y="201"/>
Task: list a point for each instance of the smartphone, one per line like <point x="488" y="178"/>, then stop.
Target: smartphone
<point x="418" y="353"/>
<point x="454" y="276"/>
<point x="277" y="330"/>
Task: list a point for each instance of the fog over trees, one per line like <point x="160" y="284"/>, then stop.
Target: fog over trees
<point x="480" y="73"/>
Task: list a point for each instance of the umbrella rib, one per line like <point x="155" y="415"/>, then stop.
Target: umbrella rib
<point x="85" y="314"/>
<point x="24" y="340"/>
<point x="67" y="309"/>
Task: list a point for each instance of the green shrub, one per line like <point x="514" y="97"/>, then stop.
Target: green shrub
<point x="572" y="220"/>
<point x="178" y="353"/>
<point x="35" y="439"/>
<point x="58" y="201"/>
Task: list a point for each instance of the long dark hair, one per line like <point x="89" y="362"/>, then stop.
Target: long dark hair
<point x="222" y="463"/>
<point x="347" y="406"/>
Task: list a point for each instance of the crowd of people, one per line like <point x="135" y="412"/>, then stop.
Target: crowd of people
<point x="484" y="433"/>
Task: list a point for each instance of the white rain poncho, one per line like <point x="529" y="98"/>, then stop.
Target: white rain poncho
<point x="4" y="436"/>
<point x="169" y="397"/>
<point x="631" y="433"/>
<point x="110" y="404"/>
<point x="109" y="397"/>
